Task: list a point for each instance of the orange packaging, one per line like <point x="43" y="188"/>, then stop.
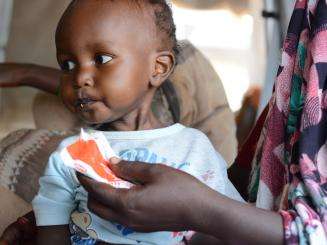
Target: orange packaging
<point x="90" y="155"/>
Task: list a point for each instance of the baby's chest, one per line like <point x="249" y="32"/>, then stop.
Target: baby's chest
<point x="153" y="153"/>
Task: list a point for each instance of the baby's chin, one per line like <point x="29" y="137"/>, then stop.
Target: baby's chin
<point x="93" y="119"/>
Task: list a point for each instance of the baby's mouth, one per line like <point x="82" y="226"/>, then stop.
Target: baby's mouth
<point x="83" y="104"/>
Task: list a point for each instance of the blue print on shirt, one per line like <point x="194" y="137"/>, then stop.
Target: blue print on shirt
<point x="145" y="155"/>
<point x="124" y="230"/>
<point x="141" y="155"/>
<point x="78" y="240"/>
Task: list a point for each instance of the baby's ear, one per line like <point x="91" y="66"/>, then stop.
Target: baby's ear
<point x="164" y="65"/>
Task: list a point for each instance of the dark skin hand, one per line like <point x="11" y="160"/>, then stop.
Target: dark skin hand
<point x="19" y="74"/>
<point x="167" y="199"/>
<point x="127" y="204"/>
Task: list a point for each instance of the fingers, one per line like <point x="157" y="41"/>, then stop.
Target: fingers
<point x="136" y="172"/>
<point x="105" y="193"/>
<point x="102" y="210"/>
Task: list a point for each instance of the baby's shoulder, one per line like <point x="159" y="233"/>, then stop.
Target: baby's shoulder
<point x="67" y="141"/>
<point x="194" y="134"/>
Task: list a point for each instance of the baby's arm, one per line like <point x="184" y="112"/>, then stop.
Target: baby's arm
<point x="26" y="233"/>
<point x="49" y="235"/>
<point x="54" y="202"/>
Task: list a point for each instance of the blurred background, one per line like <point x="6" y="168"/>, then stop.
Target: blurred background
<point x="241" y="39"/>
<point x="232" y="36"/>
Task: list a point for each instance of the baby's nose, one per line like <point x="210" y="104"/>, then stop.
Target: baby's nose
<point x="88" y="82"/>
<point x="84" y="79"/>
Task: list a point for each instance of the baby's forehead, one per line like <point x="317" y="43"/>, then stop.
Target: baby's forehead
<point x="92" y="19"/>
<point x="127" y="11"/>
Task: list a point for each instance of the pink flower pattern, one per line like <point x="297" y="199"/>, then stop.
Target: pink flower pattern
<point x="292" y="160"/>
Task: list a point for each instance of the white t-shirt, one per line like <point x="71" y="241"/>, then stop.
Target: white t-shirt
<point x="62" y="200"/>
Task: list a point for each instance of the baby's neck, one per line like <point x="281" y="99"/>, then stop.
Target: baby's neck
<point x="141" y="118"/>
<point x="137" y="120"/>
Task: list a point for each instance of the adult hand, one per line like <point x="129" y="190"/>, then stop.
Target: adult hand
<point x="163" y="198"/>
<point x="166" y="199"/>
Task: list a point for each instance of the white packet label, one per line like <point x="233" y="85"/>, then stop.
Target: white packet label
<point x="90" y="155"/>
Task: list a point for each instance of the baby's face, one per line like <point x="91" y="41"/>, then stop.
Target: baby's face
<point x="106" y="52"/>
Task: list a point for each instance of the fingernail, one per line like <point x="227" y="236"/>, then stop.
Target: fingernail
<point x="22" y="220"/>
<point x="115" y="160"/>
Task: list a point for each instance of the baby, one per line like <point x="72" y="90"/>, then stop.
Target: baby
<point x="114" y="55"/>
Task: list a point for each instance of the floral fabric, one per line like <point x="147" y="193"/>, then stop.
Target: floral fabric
<point x="290" y="163"/>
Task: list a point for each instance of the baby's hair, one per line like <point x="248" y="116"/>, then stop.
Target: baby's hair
<point x="165" y="23"/>
<point x="163" y="20"/>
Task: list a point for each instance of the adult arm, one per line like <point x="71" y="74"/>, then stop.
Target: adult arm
<point x="40" y="77"/>
<point x="168" y="199"/>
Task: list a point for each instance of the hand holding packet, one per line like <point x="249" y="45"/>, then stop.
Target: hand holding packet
<point x="90" y="155"/>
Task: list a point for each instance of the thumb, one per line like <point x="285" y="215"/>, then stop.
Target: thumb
<point x="135" y="172"/>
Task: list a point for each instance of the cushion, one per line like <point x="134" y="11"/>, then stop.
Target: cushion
<point x="11" y="207"/>
<point x="23" y="157"/>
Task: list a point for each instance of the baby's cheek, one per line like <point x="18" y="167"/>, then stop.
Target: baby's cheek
<point x="69" y="104"/>
<point x="123" y="93"/>
<point x="68" y="98"/>
<point x="120" y="97"/>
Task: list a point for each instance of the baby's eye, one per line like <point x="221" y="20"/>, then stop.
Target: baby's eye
<point x="67" y="65"/>
<point x="102" y="59"/>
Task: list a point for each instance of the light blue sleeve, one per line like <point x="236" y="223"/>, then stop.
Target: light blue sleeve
<point x="55" y="200"/>
<point x="230" y="190"/>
